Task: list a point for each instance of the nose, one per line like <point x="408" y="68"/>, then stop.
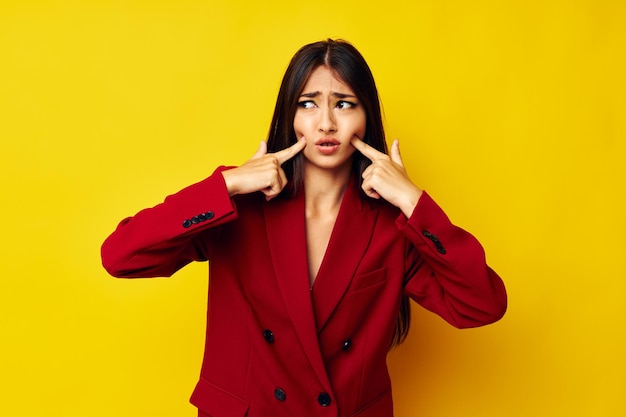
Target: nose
<point x="327" y="122"/>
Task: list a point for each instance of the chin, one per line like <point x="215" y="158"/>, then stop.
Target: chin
<point x="329" y="163"/>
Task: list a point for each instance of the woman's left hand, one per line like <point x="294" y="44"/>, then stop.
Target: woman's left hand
<point x="387" y="178"/>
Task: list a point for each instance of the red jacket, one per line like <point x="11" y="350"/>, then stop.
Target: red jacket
<point x="274" y="346"/>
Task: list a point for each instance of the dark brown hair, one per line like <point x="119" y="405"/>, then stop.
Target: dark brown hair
<point x="348" y="65"/>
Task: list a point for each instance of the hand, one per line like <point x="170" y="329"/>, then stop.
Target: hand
<point x="387" y="178"/>
<point x="262" y="172"/>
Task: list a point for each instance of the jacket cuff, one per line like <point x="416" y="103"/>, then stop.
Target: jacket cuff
<point x="428" y="226"/>
<point x="208" y="202"/>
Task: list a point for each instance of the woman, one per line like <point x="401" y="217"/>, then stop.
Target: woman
<point x="315" y="245"/>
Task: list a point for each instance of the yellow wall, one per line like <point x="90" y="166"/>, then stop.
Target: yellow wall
<point x="511" y="113"/>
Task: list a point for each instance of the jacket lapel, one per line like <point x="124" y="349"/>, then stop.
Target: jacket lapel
<point x="349" y="240"/>
<point x="285" y="223"/>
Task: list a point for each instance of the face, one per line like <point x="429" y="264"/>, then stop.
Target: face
<point x="328" y="116"/>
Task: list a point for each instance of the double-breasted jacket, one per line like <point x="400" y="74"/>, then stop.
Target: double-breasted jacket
<point x="275" y="346"/>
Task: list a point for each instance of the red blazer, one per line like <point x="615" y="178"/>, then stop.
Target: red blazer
<point x="274" y="346"/>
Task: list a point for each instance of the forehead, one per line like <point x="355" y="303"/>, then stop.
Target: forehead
<point x="323" y="79"/>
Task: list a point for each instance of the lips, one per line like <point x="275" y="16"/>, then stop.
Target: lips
<point x="327" y="146"/>
<point x="327" y="142"/>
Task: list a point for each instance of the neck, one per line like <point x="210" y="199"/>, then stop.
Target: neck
<point x="324" y="189"/>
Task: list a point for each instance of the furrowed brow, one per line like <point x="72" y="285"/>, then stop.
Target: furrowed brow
<point x="342" y="95"/>
<point x="334" y="94"/>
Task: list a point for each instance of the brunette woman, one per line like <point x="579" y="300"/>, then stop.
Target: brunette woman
<point x="315" y="246"/>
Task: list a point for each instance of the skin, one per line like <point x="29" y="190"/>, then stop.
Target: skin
<point x="328" y="116"/>
<point x="328" y="112"/>
<point x="323" y="112"/>
<point x="387" y="178"/>
<point x="262" y="172"/>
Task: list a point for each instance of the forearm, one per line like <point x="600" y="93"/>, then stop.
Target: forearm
<point x="160" y="240"/>
<point x="454" y="280"/>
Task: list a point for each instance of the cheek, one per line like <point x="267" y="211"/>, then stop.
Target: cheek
<point x="296" y="123"/>
<point x="358" y="126"/>
<point x="301" y="125"/>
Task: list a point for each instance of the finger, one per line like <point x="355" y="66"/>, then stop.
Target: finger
<point x="270" y="193"/>
<point x="288" y="153"/>
<point x="370" y="192"/>
<point x="270" y="190"/>
<point x="261" y="151"/>
<point x="395" y="153"/>
<point x="366" y="185"/>
<point x="367" y="172"/>
<point x="369" y="152"/>
<point x="276" y="187"/>
<point x="374" y="194"/>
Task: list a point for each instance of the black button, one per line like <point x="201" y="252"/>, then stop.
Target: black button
<point x="346" y="344"/>
<point x="187" y="223"/>
<point x="436" y="241"/>
<point x="209" y="214"/>
<point x="268" y="335"/>
<point x="279" y="394"/>
<point x="323" y="399"/>
<point x="195" y="220"/>
<point x="201" y="217"/>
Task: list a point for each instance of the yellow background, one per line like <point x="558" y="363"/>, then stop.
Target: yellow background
<point x="512" y="114"/>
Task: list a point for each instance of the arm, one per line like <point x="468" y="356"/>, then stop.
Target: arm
<point x="160" y="240"/>
<point x="448" y="272"/>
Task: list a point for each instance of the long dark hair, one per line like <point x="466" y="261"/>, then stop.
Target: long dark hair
<point x="348" y="65"/>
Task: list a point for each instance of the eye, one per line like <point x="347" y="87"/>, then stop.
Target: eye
<point x="306" y="104"/>
<point x="344" y="105"/>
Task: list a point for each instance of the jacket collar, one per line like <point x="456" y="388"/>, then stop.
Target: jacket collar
<point x="310" y="309"/>
<point x="348" y="242"/>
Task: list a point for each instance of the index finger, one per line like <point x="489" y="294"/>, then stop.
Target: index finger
<point x="371" y="153"/>
<point x="288" y="153"/>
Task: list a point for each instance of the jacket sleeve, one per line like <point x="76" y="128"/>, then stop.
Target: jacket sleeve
<point x="160" y="240"/>
<point x="447" y="272"/>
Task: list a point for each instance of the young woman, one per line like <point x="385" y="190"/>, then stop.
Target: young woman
<point x="315" y="245"/>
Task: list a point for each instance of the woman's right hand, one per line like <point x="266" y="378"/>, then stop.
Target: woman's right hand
<point x="262" y="172"/>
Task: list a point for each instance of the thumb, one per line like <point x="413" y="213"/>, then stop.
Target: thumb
<point x="395" y="152"/>
<point x="261" y="151"/>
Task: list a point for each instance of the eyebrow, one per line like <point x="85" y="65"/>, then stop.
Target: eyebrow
<point x="334" y="94"/>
